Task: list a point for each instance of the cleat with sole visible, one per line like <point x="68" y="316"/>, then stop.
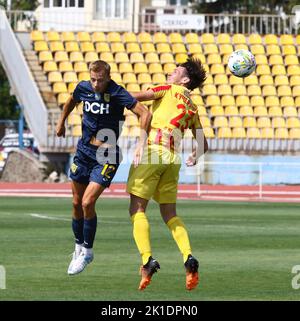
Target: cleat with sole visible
<point x="147" y="271"/>
<point x="75" y="255"/>
<point x="80" y="263"/>
<point x="192" y="277"/>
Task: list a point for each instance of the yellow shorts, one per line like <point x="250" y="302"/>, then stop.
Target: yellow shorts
<point x="157" y="180"/>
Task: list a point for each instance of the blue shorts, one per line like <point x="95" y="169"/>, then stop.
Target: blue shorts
<point x="84" y="169"/>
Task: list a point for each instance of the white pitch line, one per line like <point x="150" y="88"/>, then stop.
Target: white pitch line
<point x="46" y="217"/>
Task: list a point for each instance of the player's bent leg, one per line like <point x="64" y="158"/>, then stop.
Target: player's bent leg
<point x="92" y="193"/>
<point x="180" y="235"/>
<point x="141" y="235"/>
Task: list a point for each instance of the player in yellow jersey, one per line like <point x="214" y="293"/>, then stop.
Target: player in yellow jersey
<point x="156" y="176"/>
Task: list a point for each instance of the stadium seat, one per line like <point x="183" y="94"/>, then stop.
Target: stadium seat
<point x="205" y="122"/>
<point x="263" y="70"/>
<point x="278" y="70"/>
<point x="217" y="69"/>
<point x="255" y="39"/>
<point x="220" y="121"/>
<point x="294" y="133"/>
<point x="239" y="90"/>
<point x="208" y="132"/>
<point x="278" y="122"/>
<point x="216" y="111"/>
<point x="257" y="101"/>
<point x="294" y="80"/>
<point x="175" y="37"/>
<point x="125" y="67"/>
<point x="271" y="39"/>
<point x="137" y="57"/>
<point x="284" y="91"/>
<point x="261" y="59"/>
<point x="195" y="48"/>
<point x="281" y="133"/>
<point x="191" y="38"/>
<point x="202" y="111"/>
<point x="235" y="121"/>
<point x="238" y="38"/>
<point x="296" y="91"/>
<point x="210" y="49"/>
<point x="219" y="79"/>
<point x="55" y="76"/>
<point x="169" y="68"/>
<point x="71" y="87"/>
<point x="251" y="80"/>
<point x="241" y="46"/>
<point x="266" y="80"/>
<point x="167" y="58"/>
<point x="224" y="132"/>
<point x="76" y="56"/>
<point x="207" y="38"/>
<point x="46" y="56"/>
<point x="178" y="48"/>
<point x="76" y="131"/>
<point x="272" y="101"/>
<point x="140" y="67"/>
<point x="226" y="101"/>
<point x="87" y="47"/>
<point x="257" y="49"/>
<point x="56" y="46"/>
<point x="121" y="57"/>
<point x="80" y="67"/>
<point x="267" y="133"/>
<point x="253" y="133"/>
<point x="281" y="80"/>
<point x="233" y="80"/>
<point x="74" y="119"/>
<point x="62" y="98"/>
<point x="98" y="37"/>
<point x="275" y="111"/>
<point x="144" y="78"/>
<point x="102" y="47"/>
<point x="70" y="76"/>
<point x="50" y="66"/>
<point x="293" y="122"/>
<point x="67" y="36"/>
<point x="147" y="47"/>
<point x="213" y="100"/>
<point x="115" y="76"/>
<point x="290" y="112"/>
<point x="36" y="35"/>
<point x="223" y="38"/>
<point x="113" y="37"/>
<point x="93" y="56"/>
<point x="246" y="111"/>
<point x="291" y="60"/>
<point x="65" y="66"/>
<point x="260" y="111"/>
<point x="209" y="90"/>
<point x="41" y="46"/>
<point x="160" y="37"/>
<point x="254" y="90"/>
<point x="224" y="90"/>
<point x="231" y="111"/>
<point x="242" y="101"/>
<point x="132" y="47"/>
<point x="155" y="68"/>
<point x="269" y="90"/>
<point x="144" y="37"/>
<point x="181" y="58"/>
<point x="83" y="36"/>
<point x="238" y="132"/>
<point x="83" y="76"/>
<point x="72" y="46"/>
<point x="53" y="36"/>
<point x="159" y="78"/>
<point x="117" y="47"/>
<point x="289" y="50"/>
<point x="197" y="100"/>
<point x="249" y="121"/>
<point x="273" y="50"/>
<point x="61" y="56"/>
<point x="263" y="122"/>
<point x="129" y="77"/>
<point x="225" y="49"/>
<point x="131" y="87"/>
<point x="276" y="60"/>
<point x="151" y="57"/>
<point x="293" y="70"/>
<point x="129" y="37"/>
<point x="59" y="87"/>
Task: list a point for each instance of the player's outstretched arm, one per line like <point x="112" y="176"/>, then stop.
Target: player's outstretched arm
<point x="143" y="95"/>
<point x="67" y="109"/>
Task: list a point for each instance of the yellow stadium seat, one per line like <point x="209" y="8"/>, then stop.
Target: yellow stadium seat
<point x="231" y="111"/>
<point x="294" y="133"/>
<point x="102" y="47"/>
<point x="61" y="56"/>
<point x="175" y="37"/>
<point x="37" y="35"/>
<point x="213" y="100"/>
<point x="155" y="68"/>
<point x="65" y="66"/>
<point x="113" y="37"/>
<point x="293" y="70"/>
<point x="70" y="76"/>
<point x="210" y="49"/>
<point x="241" y="47"/>
<point x="169" y="68"/>
<point x="294" y="80"/>
<point x="233" y="80"/>
<point x="255" y="39"/>
<point x="263" y="122"/>
<point x="257" y="49"/>
<point x="181" y="58"/>
<point x="272" y="101"/>
<point x="68" y="36"/>
<point x="98" y="37"/>
<point x="197" y="100"/>
<point x="273" y="50"/>
<point x="55" y="76"/>
<point x="209" y="90"/>
<point x="290" y="112"/>
<point x="144" y="78"/>
<point x="195" y="48"/>
<point x="214" y="59"/>
<point x="132" y="47"/>
<point x="275" y="111"/>
<point x="239" y="90"/>
<point x="205" y="122"/>
<point x="163" y="48"/>
<point x="235" y="121"/>
<point x="224" y="90"/>
<point x="115" y="76"/>
<point x="56" y="46"/>
<point x="289" y="50"/>
<point x="207" y="38"/>
<point x="249" y="121"/>
<point x="140" y="67"/>
<point x="278" y="122"/>
<point x="246" y="111"/>
<point x="129" y="37"/>
<point x="59" y="87"/>
<point x="147" y="47"/>
<point x="117" y="47"/>
<point x="80" y="67"/>
<point x="191" y="38"/>
<point x="219" y="79"/>
<point x="296" y="91"/>
<point x="216" y="111"/>
<point x="131" y="87"/>
<point x="72" y="46"/>
<point x="121" y="57"/>
<point x="159" y="78"/>
<point x="238" y="132"/>
<point x="223" y="38"/>
<point x="208" y="132"/>
<point x="129" y="77"/>
<point x="287" y="101"/>
<point x="271" y="39"/>
<point x="125" y="67"/>
<point x="242" y="101"/>
<point x="267" y="133"/>
<point x="144" y="37"/>
<point x="297" y="102"/>
<point x="281" y="80"/>
<point x="291" y="60"/>
<point x="278" y="70"/>
<point x="227" y="101"/>
<point x="225" y="49"/>
<point x="76" y="56"/>
<point x="87" y="47"/>
<point x="136" y="57"/>
<point x="46" y="56"/>
<point x="238" y="38"/>
<point x="224" y="132"/>
<point x="76" y="131"/>
<point x="263" y="70"/>
<point x="220" y="121"/>
<point x="62" y="98"/>
<point x="276" y="60"/>
<point x="251" y="80"/>
<point x="41" y="46"/>
<point x="202" y="111"/>
<point x="253" y="133"/>
<point x="284" y="91"/>
<point x="281" y="133"/>
<point x="217" y="69"/>
<point x="261" y="60"/>
<point x="210" y="80"/>
<point x="167" y="58"/>
<point x="260" y="111"/>
<point x="266" y="80"/>
<point x="200" y="57"/>
<point x="107" y="56"/>
<point x="269" y="90"/>
<point x="83" y="76"/>
<point x="257" y="101"/>
<point x="151" y="57"/>
<point x="254" y="90"/>
<point x="50" y="66"/>
<point x="52" y="36"/>
<point x="160" y="37"/>
<point x="93" y="56"/>
<point x="74" y="119"/>
<point x="83" y="36"/>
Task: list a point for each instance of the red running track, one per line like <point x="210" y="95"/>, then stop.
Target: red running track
<point x="188" y="192"/>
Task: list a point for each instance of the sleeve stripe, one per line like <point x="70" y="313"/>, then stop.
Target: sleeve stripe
<point x="161" y="88"/>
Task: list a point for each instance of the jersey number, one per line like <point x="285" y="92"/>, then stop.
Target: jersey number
<point x="176" y="121"/>
<point x="107" y="170"/>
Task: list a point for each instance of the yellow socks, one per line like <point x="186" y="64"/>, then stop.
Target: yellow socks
<point x="141" y="234"/>
<point x="180" y="236"/>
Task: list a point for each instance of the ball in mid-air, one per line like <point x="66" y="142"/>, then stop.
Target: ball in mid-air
<point x="241" y="63"/>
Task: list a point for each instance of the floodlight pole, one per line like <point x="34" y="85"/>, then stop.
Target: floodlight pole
<point x="21" y="126"/>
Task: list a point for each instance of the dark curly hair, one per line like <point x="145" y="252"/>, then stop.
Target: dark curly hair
<point x="196" y="73"/>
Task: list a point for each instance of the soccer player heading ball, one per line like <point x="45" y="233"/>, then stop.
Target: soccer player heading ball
<point x="157" y="175"/>
<point x="98" y="155"/>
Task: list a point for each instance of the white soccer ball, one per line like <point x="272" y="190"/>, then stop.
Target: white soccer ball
<point x="241" y="63"/>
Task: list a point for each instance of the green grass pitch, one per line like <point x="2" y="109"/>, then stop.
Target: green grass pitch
<point x="246" y="252"/>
